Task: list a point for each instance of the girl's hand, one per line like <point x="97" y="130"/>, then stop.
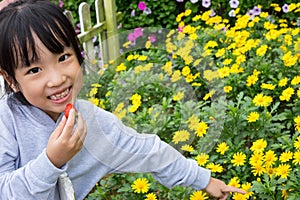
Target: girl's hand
<point x="219" y="189"/>
<point x="66" y="140"/>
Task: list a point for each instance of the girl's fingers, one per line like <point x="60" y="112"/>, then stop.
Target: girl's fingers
<point x="228" y="189"/>
<point x="224" y="197"/>
<point x="81" y="130"/>
<point x="59" y="129"/>
<point x="69" y="125"/>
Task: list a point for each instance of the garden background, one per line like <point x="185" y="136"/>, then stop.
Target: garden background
<point x="218" y="80"/>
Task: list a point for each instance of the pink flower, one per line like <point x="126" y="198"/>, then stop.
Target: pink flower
<point x="142" y="5"/>
<point x="131" y="37"/>
<point x="152" y="38"/>
<point x="61" y="3"/>
<point x="180" y="28"/>
<point x="138" y="32"/>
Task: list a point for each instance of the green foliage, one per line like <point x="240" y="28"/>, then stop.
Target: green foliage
<point x="229" y="87"/>
<point x="163" y="14"/>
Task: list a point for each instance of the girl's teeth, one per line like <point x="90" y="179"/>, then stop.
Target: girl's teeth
<point x="60" y="96"/>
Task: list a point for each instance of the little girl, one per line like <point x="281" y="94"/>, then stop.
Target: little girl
<point x="40" y="59"/>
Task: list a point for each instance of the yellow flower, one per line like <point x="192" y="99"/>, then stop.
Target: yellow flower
<point x="151" y="196"/>
<point x="94" y="101"/>
<point x="227" y="89"/>
<point x="126" y="44"/>
<point x="286" y="94"/>
<point x="262" y="50"/>
<point x="220" y="52"/>
<point x="142" y="58"/>
<point x="180" y="136"/>
<point x="193" y="122"/>
<point x="167" y="68"/>
<point x="215" y="167"/>
<point x="148" y="44"/>
<point x="297" y="123"/>
<point x="251" y="80"/>
<point x="238" y="159"/>
<point x="297" y="143"/>
<point x="227" y="61"/>
<point x="238" y="196"/>
<point x="246" y="187"/>
<point x="295" y="80"/>
<point x="201" y="129"/>
<point x="286" y="156"/>
<point x="210" y="43"/>
<point x="264" y="14"/>
<point x="253" y="117"/>
<point x="210" y="75"/>
<point x="267" y="86"/>
<point x="189" y="78"/>
<point x="187" y="12"/>
<point x="93" y="91"/>
<point x="259" y="145"/>
<point x="288" y="59"/>
<point x="283" y="82"/>
<point x="187" y="148"/>
<point x="283" y="170"/>
<point x="256" y="157"/>
<point x="296" y="157"/>
<point x="140" y="185"/>
<point x="136" y="102"/>
<point x="121" y="67"/>
<point x="198" y="195"/>
<point x="186" y="70"/>
<point x="234" y="182"/>
<point x="224" y="72"/>
<point x="269" y="158"/>
<point x="284" y="194"/>
<point x="176" y="76"/>
<point x="262" y="100"/>
<point x="222" y="148"/>
<point x="202" y="159"/>
<point x="195" y="84"/>
<point x="208" y="95"/>
<point x="178" y="96"/>
<point x="258" y="169"/>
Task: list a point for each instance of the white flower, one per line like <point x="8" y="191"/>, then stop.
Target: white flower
<point x="285" y="8"/>
<point x="147" y="11"/>
<point x="194" y="1"/>
<point x="213" y="13"/>
<point x="234" y="3"/>
<point x="256" y="10"/>
<point x="231" y="13"/>
<point x="206" y="3"/>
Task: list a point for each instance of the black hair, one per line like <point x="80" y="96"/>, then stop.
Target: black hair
<point x="23" y="18"/>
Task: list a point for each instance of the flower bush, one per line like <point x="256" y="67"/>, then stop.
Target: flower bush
<point x="223" y="93"/>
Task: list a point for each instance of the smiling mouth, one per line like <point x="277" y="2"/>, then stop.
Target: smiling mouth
<point x="60" y="95"/>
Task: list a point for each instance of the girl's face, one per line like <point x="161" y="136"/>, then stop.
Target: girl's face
<point x="48" y="82"/>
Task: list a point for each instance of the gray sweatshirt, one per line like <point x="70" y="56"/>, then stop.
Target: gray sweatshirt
<point x="110" y="147"/>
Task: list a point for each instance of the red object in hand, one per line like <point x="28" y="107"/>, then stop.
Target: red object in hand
<point x="69" y="106"/>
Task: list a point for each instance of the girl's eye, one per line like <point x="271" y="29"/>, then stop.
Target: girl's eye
<point x="34" y="70"/>
<point x="63" y="57"/>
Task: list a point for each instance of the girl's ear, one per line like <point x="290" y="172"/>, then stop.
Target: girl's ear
<point x="9" y="80"/>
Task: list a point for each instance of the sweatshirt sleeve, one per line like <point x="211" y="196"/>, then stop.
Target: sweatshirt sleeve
<point x="129" y="151"/>
<point x="35" y="180"/>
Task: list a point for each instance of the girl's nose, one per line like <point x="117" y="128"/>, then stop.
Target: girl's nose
<point x="56" y="80"/>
